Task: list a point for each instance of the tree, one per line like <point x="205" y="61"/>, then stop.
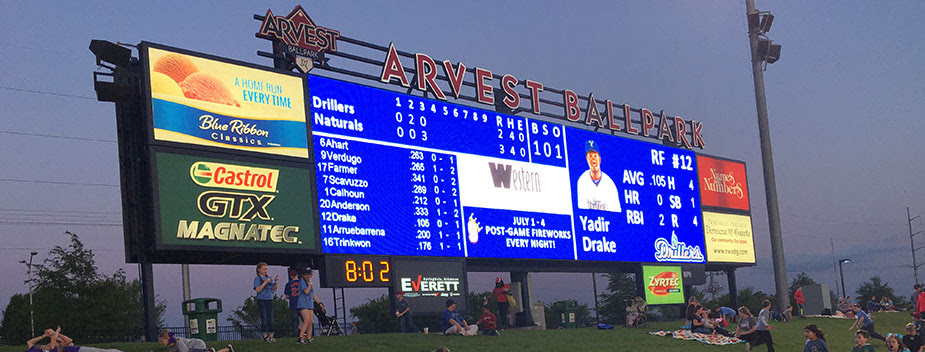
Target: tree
<point x="874" y="287"/>
<point x="621" y="287"/>
<point x="249" y="315"/>
<point x="70" y="292"/>
<point x="375" y="316"/>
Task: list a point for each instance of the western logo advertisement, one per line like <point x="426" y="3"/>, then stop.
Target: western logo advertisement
<point x="729" y="238"/>
<point x="207" y="102"/>
<point x="663" y="284"/>
<point x="513" y="185"/>
<point x="722" y="183"/>
<point x="214" y="202"/>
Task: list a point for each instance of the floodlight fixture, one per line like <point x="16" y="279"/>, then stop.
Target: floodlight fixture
<point x="110" y="52"/>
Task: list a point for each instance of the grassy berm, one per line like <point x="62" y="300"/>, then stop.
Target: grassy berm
<point x="787" y="337"/>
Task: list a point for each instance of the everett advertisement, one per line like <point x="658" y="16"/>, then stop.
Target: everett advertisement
<point x="219" y="203"/>
<point x="663" y="285"/>
<point x="206" y="102"/>
<point x="729" y="238"/>
<point x="722" y="183"/>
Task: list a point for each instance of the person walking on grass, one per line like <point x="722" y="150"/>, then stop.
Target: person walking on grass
<point x="763" y="327"/>
<point x="860" y="340"/>
<point x="179" y="344"/>
<point x="865" y="323"/>
<point x="266" y="288"/>
<point x="800" y="300"/>
<point x="403" y="312"/>
<point x="815" y="339"/>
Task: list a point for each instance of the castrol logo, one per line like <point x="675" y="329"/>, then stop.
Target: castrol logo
<point x="239" y="177"/>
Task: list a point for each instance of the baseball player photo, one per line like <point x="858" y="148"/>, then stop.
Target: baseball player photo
<point x="595" y="189"/>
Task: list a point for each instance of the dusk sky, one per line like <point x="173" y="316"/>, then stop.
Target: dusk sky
<point x="845" y="103"/>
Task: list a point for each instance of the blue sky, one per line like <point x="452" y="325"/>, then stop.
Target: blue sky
<point x="845" y="104"/>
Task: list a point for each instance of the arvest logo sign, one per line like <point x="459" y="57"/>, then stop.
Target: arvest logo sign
<point x="664" y="284"/>
<point x="722" y="183"/>
<point x="211" y="202"/>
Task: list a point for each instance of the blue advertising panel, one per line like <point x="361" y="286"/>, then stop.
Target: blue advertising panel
<point x="404" y="175"/>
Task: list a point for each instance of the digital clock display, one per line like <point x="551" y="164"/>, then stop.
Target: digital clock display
<point x="357" y="271"/>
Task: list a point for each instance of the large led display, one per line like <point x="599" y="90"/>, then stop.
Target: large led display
<point x="408" y="176"/>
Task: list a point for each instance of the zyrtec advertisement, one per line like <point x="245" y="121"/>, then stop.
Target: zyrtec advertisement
<point x="663" y="284"/>
<point x="207" y="102"/>
<point x="208" y="202"/>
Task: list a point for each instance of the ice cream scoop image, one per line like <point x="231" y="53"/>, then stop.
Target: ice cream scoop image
<point x="472" y="229"/>
<point x="203" y="86"/>
<point x="175" y="66"/>
<point x="163" y="84"/>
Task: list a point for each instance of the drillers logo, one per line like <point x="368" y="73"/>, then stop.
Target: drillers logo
<point x="237" y="206"/>
<point x="505" y="176"/>
<point x="664" y="283"/>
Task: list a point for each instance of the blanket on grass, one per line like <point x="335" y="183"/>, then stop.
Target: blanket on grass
<point x="683" y="334"/>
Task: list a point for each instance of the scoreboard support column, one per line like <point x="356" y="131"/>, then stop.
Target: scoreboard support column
<point x="733" y="290"/>
<point x="524" y="318"/>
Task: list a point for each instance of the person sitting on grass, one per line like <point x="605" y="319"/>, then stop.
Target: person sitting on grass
<point x="179" y="344"/>
<point x="745" y="331"/>
<point x="886" y="304"/>
<point x="912" y="339"/>
<point x="489" y="322"/>
<point x="453" y="322"/>
<point x="861" y="345"/>
<point x="893" y="344"/>
<point x="873" y="305"/>
<point x="699" y="323"/>
<point x="714" y="321"/>
<point x="865" y="323"/>
<point x="815" y="339"/>
<point x="66" y="344"/>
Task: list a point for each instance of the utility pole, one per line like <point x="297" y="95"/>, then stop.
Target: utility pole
<point x="767" y="161"/>
<point x="915" y="265"/>
<point x="597" y="316"/>
<point x="31" y="310"/>
<point x="184" y="271"/>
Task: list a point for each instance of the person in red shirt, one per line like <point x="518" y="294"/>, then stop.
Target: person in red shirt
<point x="920" y="305"/>
<point x="488" y="321"/>
<point x="798" y="296"/>
<point x="501" y="291"/>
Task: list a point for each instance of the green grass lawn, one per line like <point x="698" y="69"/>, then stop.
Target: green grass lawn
<point x="788" y="337"/>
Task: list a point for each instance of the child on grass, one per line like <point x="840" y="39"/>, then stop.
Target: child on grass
<point x="179" y="344"/>
<point x="815" y="339"/>
<point x="489" y="322"/>
<point x="861" y="345"/>
<point x="266" y="288"/>
<point x="912" y="339"/>
<point x="893" y="344"/>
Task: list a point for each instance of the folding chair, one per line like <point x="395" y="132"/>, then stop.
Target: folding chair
<point x="329" y="325"/>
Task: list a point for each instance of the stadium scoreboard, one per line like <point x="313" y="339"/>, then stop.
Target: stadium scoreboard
<point x="408" y="176"/>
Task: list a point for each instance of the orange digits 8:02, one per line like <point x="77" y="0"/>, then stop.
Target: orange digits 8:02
<point x="365" y="271"/>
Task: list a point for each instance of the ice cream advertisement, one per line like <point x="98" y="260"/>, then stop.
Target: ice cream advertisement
<point x="207" y="102"/>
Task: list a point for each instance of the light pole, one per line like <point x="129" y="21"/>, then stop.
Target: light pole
<point x="29" y="271"/>
<point x="766" y="52"/>
<point x="842" y="272"/>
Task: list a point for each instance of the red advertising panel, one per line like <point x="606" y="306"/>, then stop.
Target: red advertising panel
<point x="722" y="183"/>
